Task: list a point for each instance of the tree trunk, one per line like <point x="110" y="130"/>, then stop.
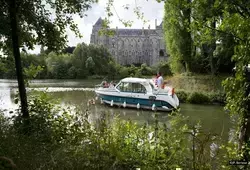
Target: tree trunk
<point x="187" y="66"/>
<point x="16" y="52"/>
<point x="188" y="38"/>
<point x="212" y="45"/>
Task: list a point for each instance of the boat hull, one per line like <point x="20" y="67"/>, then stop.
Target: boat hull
<point x="135" y="102"/>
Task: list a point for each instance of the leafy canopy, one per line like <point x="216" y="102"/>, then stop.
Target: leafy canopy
<point x="42" y="22"/>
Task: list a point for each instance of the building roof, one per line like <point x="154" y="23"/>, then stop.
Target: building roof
<point x="161" y="24"/>
<point x="99" y="22"/>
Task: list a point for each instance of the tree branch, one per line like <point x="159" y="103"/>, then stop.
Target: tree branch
<point x="220" y="31"/>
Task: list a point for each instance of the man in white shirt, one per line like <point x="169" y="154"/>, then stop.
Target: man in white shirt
<point x="159" y="80"/>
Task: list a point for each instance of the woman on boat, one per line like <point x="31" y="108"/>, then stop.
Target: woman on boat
<point x="160" y="83"/>
<point x="156" y="78"/>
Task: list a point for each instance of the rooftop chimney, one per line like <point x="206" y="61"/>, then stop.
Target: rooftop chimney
<point x="155" y="23"/>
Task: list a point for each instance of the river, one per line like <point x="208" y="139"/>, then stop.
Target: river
<point x="77" y="93"/>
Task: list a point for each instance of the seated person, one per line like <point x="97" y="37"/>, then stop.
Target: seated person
<point x="105" y="84"/>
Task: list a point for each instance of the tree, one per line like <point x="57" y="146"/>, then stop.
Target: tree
<point x="205" y="17"/>
<point x="79" y="57"/>
<point x="90" y="65"/>
<point x="26" y="23"/>
<point x="235" y="19"/>
<point x="177" y="19"/>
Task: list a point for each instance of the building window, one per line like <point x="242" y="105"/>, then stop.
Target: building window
<point x="161" y="53"/>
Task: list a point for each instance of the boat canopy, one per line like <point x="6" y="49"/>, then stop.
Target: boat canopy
<point x="134" y="80"/>
<point x="145" y="82"/>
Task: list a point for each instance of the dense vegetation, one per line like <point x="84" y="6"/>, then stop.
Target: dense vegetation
<point x="82" y="62"/>
<point x="70" y="139"/>
<point x="192" y="39"/>
<point x="199" y="34"/>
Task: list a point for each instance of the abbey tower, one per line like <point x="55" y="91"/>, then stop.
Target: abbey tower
<point x="133" y="46"/>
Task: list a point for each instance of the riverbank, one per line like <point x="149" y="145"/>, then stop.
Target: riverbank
<point x="198" y="89"/>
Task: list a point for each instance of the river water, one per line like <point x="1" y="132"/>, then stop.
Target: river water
<point x="77" y="93"/>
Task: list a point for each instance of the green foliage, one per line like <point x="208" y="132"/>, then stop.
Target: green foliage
<point x="67" y="139"/>
<point x="90" y="63"/>
<point x="35" y="25"/>
<point x="217" y="98"/>
<point x="192" y="39"/>
<point x="198" y="98"/>
<point x="113" y="70"/>
<point x="178" y="34"/>
<point x="236" y="23"/>
<point x="182" y="95"/>
<point x="7" y="67"/>
<point x="164" y="67"/>
<point x="32" y="71"/>
<point x="124" y="72"/>
<point x="145" y="70"/>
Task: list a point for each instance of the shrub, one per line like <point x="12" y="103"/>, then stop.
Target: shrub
<point x="198" y="98"/>
<point x="165" y="69"/>
<point x="218" y="98"/>
<point x="138" y="74"/>
<point x="72" y="72"/>
<point x="145" y="70"/>
<point x="124" y="72"/>
<point x="61" y="139"/>
<point x="182" y="95"/>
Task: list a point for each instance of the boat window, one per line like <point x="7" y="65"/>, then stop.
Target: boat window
<point x="125" y="87"/>
<point x="132" y="87"/>
<point x="138" y="88"/>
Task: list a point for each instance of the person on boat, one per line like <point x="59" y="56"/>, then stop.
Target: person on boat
<point x="156" y="78"/>
<point x="105" y="84"/>
<point x="111" y="84"/>
<point x="160" y="82"/>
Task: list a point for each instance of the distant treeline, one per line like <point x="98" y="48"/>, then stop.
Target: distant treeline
<point x="78" y="63"/>
<point x="87" y="60"/>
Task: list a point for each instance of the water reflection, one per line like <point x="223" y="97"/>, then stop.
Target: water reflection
<point x="52" y="83"/>
<point x="7" y="100"/>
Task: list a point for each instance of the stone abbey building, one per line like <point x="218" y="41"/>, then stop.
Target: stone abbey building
<point x="133" y="46"/>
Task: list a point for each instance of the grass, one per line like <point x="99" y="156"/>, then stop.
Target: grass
<point x="197" y="83"/>
<point x="198" y="88"/>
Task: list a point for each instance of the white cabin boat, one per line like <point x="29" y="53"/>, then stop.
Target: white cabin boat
<point x="138" y="93"/>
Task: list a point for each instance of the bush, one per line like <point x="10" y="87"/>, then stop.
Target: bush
<point x="60" y="139"/>
<point x="124" y="72"/>
<point x="218" y="98"/>
<point x="198" y="98"/>
<point x="145" y="70"/>
<point x="201" y="98"/>
<point x="182" y="95"/>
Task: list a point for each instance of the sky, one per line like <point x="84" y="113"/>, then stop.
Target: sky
<point x="151" y="8"/>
